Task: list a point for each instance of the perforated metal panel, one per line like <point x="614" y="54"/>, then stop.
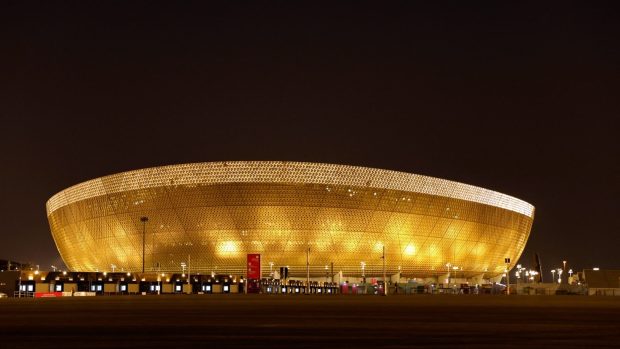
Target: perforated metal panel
<point x="219" y="212"/>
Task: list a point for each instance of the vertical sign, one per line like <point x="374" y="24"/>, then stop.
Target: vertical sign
<point x="253" y="266"/>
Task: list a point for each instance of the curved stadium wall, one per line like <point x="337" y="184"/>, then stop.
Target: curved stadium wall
<point x="218" y="212"/>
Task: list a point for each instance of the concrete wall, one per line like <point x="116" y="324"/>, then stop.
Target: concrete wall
<point x="68" y="287"/>
<point x="43" y="287"/>
<point x="8" y="281"/>
<point x="604" y="291"/>
<point x="167" y="288"/>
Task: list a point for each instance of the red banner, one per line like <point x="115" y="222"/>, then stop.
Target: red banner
<point x="254" y="266"/>
<point x="47" y="294"/>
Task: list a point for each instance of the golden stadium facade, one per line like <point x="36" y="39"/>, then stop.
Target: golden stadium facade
<point x="211" y="215"/>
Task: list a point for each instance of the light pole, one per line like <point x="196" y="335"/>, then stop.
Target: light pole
<point x="308" y="272"/>
<point x="507" y="261"/>
<point x="363" y="265"/>
<point x="143" y="219"/>
<point x="385" y="293"/>
<point x="553" y="275"/>
<point x="455" y="268"/>
<point x="564" y="268"/>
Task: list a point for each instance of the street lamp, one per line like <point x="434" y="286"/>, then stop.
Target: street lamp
<point x="564" y="267"/>
<point x="143" y="219"/>
<point x="455" y="268"/>
<point x="160" y="283"/>
<point x="385" y="285"/>
<point x="553" y="275"/>
<point x="507" y="261"/>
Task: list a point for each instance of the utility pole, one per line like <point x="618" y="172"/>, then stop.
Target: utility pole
<point x="143" y="219"/>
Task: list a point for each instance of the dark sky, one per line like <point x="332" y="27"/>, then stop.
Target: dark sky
<point x="522" y="100"/>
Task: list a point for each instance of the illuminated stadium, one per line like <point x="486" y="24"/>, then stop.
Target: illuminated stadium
<point x="214" y="214"/>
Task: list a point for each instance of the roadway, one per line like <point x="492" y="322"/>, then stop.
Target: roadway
<point x="297" y="321"/>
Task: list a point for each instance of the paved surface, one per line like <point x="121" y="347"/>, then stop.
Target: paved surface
<point x="263" y="321"/>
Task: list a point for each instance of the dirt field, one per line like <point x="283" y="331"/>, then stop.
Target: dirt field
<point x="264" y="321"/>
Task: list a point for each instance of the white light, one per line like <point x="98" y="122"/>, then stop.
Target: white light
<point x="596" y="268"/>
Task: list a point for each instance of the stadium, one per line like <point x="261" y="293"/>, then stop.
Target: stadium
<point x="210" y="216"/>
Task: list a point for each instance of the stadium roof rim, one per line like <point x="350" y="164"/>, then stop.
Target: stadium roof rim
<point x="282" y="172"/>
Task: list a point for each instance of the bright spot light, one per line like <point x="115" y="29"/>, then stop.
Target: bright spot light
<point x="409" y="250"/>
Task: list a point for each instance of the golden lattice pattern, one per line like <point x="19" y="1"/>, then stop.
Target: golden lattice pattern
<point x="283" y="172"/>
<point x="345" y="215"/>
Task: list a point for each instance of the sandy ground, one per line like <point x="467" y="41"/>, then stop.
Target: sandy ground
<point x="276" y="321"/>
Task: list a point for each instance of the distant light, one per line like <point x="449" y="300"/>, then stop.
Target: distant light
<point x="596" y="268"/>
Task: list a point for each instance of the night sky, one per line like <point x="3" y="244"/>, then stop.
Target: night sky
<point x="522" y="100"/>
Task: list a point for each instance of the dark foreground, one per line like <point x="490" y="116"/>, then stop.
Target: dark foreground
<point x="262" y="321"/>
